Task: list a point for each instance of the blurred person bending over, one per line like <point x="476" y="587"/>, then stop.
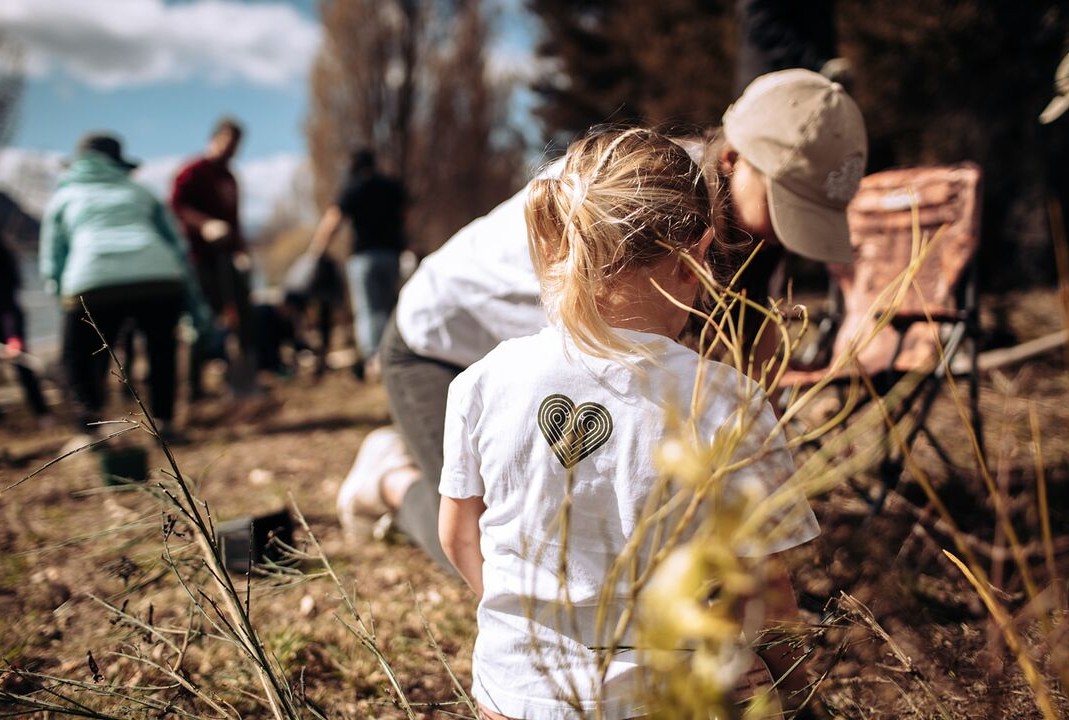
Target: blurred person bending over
<point x="793" y="150"/>
<point x="205" y="199"/>
<point x="791" y="153"/>
<point x="108" y="242"/>
<point x="375" y="205"/>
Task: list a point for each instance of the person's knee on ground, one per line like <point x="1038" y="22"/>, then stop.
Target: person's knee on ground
<point x="381" y="474"/>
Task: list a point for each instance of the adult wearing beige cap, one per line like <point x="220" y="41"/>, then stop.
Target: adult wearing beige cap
<point x="792" y="150"/>
<point x="801" y="139"/>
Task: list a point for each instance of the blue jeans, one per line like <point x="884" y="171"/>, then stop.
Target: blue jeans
<point x="374" y="276"/>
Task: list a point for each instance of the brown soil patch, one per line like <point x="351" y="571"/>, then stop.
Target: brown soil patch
<point x="68" y="544"/>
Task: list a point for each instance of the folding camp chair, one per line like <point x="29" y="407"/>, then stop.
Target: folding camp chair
<point x="898" y="217"/>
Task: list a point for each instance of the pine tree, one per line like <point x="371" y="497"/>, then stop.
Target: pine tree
<point x="668" y="63"/>
<point x="948" y="81"/>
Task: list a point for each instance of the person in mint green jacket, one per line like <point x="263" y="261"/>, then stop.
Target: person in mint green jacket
<point x="109" y="243"/>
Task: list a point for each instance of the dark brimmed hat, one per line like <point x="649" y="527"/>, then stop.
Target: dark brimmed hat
<point x="107" y="145"/>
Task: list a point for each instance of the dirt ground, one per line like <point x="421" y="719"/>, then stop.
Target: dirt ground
<point x="898" y="631"/>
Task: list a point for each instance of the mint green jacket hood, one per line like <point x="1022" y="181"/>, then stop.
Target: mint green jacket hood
<point x="101" y="229"/>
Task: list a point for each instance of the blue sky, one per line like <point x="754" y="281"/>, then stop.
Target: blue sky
<point x="160" y="72"/>
<point x="153" y="75"/>
<point x="163" y="119"/>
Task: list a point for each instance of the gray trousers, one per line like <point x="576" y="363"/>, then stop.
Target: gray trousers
<point x="417" y="388"/>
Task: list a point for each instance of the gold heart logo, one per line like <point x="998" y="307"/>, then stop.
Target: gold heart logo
<point x="573" y="432"/>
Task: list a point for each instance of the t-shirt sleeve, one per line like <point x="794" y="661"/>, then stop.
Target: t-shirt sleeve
<point x="460" y="459"/>
<point x="774" y="501"/>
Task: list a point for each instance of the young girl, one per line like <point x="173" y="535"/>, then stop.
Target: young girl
<point x="571" y="417"/>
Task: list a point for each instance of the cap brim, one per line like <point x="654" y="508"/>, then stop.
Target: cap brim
<point x="808" y="229"/>
<point x="1054" y="109"/>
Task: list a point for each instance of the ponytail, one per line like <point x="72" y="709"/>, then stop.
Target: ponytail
<point x="623" y="199"/>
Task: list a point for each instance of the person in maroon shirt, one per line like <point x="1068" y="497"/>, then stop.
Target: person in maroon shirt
<point x="205" y="200"/>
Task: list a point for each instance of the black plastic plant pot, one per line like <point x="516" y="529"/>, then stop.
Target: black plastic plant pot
<point x="252" y="540"/>
<point x="120" y="466"/>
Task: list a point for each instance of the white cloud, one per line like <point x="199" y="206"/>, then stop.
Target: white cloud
<point x="282" y="179"/>
<point x="510" y="57"/>
<point x="158" y="173"/>
<point x="114" y="43"/>
<point x="30" y="178"/>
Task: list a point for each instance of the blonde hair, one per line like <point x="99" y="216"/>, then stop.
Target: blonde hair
<point x="624" y="199"/>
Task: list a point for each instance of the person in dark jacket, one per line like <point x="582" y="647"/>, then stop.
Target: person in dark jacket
<point x="375" y="205"/>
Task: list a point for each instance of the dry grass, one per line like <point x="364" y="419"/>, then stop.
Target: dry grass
<point x="897" y="629"/>
<point x="74" y="551"/>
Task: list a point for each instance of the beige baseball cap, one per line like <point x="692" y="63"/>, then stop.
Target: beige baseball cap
<point x="807" y="137"/>
<point x="1060" y="103"/>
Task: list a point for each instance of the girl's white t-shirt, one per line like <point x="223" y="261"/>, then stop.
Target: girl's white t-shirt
<point x="534" y="659"/>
